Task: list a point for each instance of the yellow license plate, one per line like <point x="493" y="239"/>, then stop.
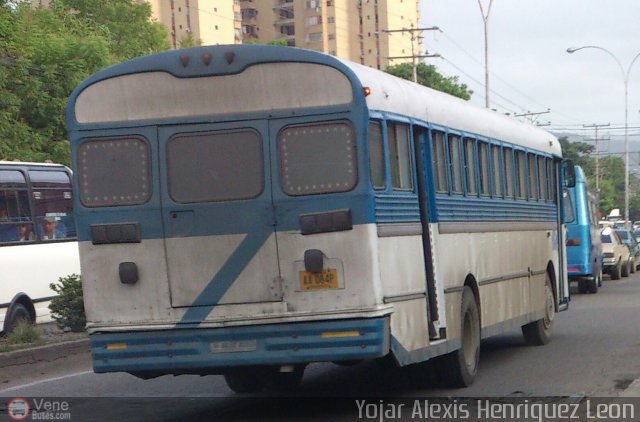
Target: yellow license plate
<point x="326" y="279"/>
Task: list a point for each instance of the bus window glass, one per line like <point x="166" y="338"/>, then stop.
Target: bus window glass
<point x="399" y="156"/>
<point x="521" y="175"/>
<point x="470" y="165"/>
<point x="483" y="168"/>
<point x="508" y="172"/>
<point x="542" y="178"/>
<point x="551" y="180"/>
<point x="53" y="205"/>
<point x="100" y="185"/>
<point x="455" y="163"/>
<point x="533" y="177"/>
<point x="15" y="214"/>
<point x="439" y="161"/>
<point x="210" y="167"/>
<point x="497" y="171"/>
<point x="319" y="158"/>
<point x="567" y="204"/>
<point x="376" y="155"/>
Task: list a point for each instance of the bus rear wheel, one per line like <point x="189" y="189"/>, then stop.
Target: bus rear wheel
<point x="458" y="369"/>
<point x="538" y="333"/>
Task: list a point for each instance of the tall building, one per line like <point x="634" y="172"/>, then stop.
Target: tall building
<point x="364" y="31"/>
<point x="351" y="29"/>
<point x="207" y="21"/>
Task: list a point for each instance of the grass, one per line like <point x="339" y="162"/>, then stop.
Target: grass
<point x="23" y="335"/>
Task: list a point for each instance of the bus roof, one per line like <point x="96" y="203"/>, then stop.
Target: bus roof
<point x="393" y="94"/>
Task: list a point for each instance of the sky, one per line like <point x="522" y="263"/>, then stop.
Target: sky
<point x="529" y="67"/>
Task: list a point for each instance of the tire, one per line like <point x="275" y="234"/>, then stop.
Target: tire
<point x="626" y="268"/>
<point x="592" y="284"/>
<point x="599" y="278"/>
<point x="583" y="286"/>
<point x="459" y="368"/>
<point x="616" y="271"/>
<point x="18" y="313"/>
<point x="245" y="380"/>
<point x="538" y="333"/>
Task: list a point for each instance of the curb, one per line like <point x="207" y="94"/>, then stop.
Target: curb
<point x="45" y="353"/>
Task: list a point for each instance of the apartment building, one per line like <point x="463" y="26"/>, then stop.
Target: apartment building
<point x="206" y="21"/>
<point x="363" y="31"/>
<point x="351" y="29"/>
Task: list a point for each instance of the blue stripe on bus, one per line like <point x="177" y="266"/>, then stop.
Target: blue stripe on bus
<point x="182" y="350"/>
<point x="226" y="276"/>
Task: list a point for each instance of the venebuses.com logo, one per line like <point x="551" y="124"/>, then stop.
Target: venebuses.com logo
<point x="18" y="409"/>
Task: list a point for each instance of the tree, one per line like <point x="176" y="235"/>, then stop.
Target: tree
<point x="45" y="53"/>
<point x="429" y="76"/>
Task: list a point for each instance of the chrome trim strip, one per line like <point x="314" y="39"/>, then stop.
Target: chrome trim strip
<point x="404" y="297"/>
<point x="399" y="229"/>
<point x="494" y="226"/>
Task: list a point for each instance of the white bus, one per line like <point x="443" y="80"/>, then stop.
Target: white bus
<point x="38" y="242"/>
<point x="275" y="207"/>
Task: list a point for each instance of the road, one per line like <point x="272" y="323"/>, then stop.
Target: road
<point x="594" y="353"/>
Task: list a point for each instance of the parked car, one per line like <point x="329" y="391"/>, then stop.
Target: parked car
<point x="616" y="257"/>
<point x="636" y="233"/>
<point x="584" y="251"/>
<point x="629" y="239"/>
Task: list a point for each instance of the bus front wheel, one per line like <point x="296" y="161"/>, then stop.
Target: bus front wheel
<point x="18" y="314"/>
<point x="459" y="368"/>
<point x="538" y="333"/>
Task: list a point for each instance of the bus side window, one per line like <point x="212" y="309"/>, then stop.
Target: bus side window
<point x="508" y="171"/>
<point x="399" y="156"/>
<point x="483" y="168"/>
<point x="15" y="214"/>
<point x="470" y="166"/>
<point x="498" y="190"/>
<point x="533" y="178"/>
<point x="376" y="155"/>
<point x="521" y="175"/>
<point x="53" y="204"/>
<point x="439" y="161"/>
<point x="455" y="163"/>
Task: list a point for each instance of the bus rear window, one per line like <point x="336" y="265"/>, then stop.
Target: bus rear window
<point x="219" y="166"/>
<point x="317" y="159"/>
<point x="114" y="172"/>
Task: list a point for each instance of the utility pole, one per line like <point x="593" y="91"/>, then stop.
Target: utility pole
<point x="412" y="31"/>
<point x="595" y="126"/>
<point x="485" y="20"/>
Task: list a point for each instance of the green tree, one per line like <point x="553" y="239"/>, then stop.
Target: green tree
<point x="429" y="76"/>
<point x="45" y="53"/>
<point x="189" y="41"/>
<point x="126" y="23"/>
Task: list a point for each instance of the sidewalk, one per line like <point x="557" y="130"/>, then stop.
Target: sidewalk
<point x="45" y="353"/>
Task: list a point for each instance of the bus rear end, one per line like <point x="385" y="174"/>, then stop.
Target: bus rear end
<point x="225" y="215"/>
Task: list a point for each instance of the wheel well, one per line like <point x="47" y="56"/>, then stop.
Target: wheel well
<point x="552" y="276"/>
<point x="473" y="284"/>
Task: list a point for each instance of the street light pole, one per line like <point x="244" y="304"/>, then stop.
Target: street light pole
<point x="625" y="77"/>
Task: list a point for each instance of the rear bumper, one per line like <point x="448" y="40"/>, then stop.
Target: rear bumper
<point x="211" y="350"/>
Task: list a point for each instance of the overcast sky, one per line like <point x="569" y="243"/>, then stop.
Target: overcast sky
<point x="530" y="69"/>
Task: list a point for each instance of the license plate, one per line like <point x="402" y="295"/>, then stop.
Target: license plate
<point x="326" y="279"/>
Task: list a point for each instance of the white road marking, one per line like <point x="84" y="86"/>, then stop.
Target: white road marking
<point x="31" y="384"/>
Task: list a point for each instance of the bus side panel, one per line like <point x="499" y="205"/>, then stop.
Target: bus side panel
<point x="402" y="275"/>
<point x="511" y="287"/>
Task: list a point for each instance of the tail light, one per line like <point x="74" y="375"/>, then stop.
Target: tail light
<point x="573" y="242"/>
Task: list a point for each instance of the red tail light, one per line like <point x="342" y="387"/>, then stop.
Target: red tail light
<point x="573" y="242"/>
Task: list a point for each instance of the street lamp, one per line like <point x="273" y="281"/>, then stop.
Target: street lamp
<point x="625" y="76"/>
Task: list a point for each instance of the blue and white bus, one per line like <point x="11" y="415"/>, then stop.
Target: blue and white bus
<point x="584" y="249"/>
<point x="248" y="210"/>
